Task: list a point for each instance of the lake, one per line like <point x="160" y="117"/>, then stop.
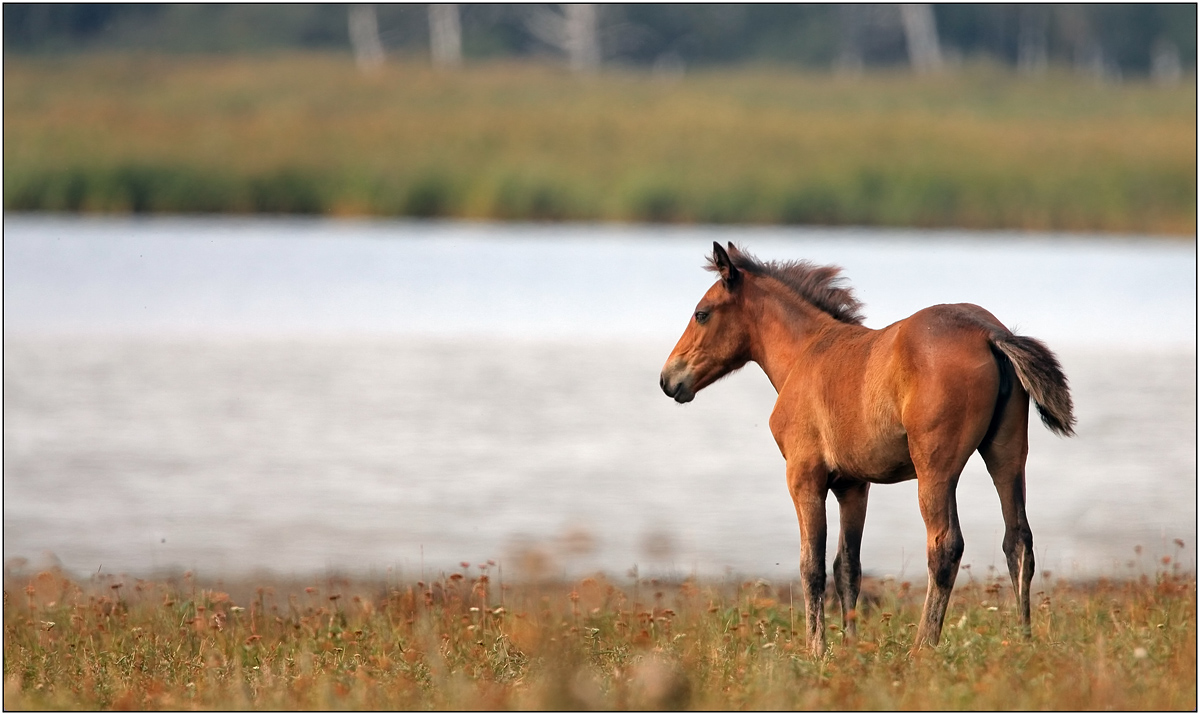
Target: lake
<point x="306" y="396"/>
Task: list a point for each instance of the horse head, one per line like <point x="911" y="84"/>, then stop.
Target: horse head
<point x="716" y="341"/>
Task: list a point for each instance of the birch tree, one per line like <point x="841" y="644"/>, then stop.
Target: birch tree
<point x="920" y="32"/>
<point x="1165" y="67"/>
<point x="1032" y="27"/>
<point x="445" y="36"/>
<point x="364" y="37"/>
<point x="850" y="41"/>
<point x="575" y="31"/>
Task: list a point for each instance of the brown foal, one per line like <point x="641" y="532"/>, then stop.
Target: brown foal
<point x="859" y="406"/>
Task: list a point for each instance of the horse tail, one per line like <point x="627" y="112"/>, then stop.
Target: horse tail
<point x="1042" y="377"/>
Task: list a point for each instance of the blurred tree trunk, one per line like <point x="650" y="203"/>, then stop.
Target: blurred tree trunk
<point x="920" y="31"/>
<point x="583" y="43"/>
<point x="850" y="44"/>
<point x="445" y="36"/>
<point x="1165" y="67"/>
<point x="364" y="37"/>
<point x="575" y="31"/>
<point x="1033" y="23"/>
<point x="1086" y="50"/>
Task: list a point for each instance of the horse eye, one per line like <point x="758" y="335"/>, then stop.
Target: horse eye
<point x="701" y="316"/>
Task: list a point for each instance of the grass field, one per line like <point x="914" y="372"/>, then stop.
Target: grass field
<point x="469" y="641"/>
<point x="309" y="134"/>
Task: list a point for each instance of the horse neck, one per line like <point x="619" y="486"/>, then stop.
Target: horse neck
<point x="783" y="326"/>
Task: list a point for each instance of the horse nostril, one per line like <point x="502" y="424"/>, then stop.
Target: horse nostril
<point x="662" y="382"/>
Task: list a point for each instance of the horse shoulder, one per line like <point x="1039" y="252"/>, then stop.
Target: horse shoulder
<point x="786" y="424"/>
<point x="797" y="416"/>
<point x="884" y="384"/>
<point x="821" y="410"/>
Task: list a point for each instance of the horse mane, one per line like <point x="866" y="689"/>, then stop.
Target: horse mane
<point x="818" y="285"/>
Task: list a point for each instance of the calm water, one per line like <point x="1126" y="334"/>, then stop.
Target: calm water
<point x="308" y="395"/>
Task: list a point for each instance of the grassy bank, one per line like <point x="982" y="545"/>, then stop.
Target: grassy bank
<point x="465" y="642"/>
<point x="310" y="134"/>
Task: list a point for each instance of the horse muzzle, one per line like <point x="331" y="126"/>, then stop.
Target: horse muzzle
<point x="675" y="387"/>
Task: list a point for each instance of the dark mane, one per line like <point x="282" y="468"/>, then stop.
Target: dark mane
<point x="819" y="285"/>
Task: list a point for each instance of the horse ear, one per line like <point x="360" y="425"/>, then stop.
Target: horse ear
<point x="730" y="275"/>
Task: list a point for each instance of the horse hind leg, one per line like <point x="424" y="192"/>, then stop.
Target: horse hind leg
<point x="847" y="565"/>
<point x="1004" y="454"/>
<point x="947" y="419"/>
<point x="944" y="548"/>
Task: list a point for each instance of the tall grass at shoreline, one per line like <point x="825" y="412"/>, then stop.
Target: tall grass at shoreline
<point x="467" y="641"/>
<point x="310" y="134"/>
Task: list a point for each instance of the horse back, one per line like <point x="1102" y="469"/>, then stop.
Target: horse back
<point x="862" y="392"/>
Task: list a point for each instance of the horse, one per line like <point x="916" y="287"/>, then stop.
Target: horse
<point x="858" y="406"/>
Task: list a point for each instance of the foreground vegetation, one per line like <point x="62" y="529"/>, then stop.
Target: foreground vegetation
<point x="308" y="133"/>
<point x="465" y="641"/>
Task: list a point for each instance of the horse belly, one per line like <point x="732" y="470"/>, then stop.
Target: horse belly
<point x="898" y="473"/>
<point x="876" y="450"/>
<point x="882" y="461"/>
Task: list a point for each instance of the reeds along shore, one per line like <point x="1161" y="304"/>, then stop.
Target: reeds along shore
<point x="309" y="134"/>
<point x="467" y="641"/>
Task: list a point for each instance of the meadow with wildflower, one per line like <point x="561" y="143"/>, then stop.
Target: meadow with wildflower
<point x="465" y="640"/>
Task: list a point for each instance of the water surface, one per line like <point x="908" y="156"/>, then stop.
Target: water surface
<point x="300" y="396"/>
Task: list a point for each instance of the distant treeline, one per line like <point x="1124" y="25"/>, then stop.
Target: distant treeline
<point x="1104" y="40"/>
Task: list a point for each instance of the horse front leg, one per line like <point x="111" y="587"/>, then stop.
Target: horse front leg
<point x="847" y="565"/>
<point x="808" y="487"/>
